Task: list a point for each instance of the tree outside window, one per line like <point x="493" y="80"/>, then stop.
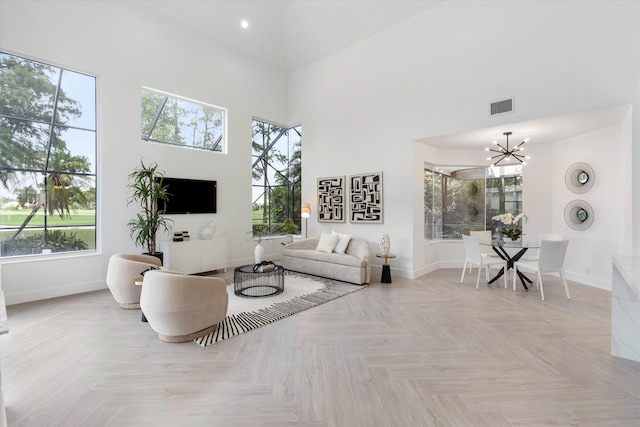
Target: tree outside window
<point x="169" y="119"/>
<point x="47" y="167"/>
<point x="462" y="199"/>
<point x="276" y="173"/>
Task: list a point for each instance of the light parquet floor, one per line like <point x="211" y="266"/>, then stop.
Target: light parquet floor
<point x="425" y="352"/>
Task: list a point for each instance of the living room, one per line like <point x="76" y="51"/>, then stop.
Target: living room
<point x="385" y="103"/>
<point x="407" y="110"/>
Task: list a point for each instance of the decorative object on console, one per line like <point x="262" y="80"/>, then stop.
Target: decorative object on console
<point x="209" y="231"/>
<point x="579" y="178"/>
<point x="185" y="236"/>
<point x="305" y="213"/>
<point x="331" y="200"/>
<point x="578" y="215"/>
<point x="513" y="230"/>
<point x="385" y="245"/>
<point x="506" y="154"/>
<point x="365" y="198"/>
<point x="178" y="237"/>
<point x="146" y="189"/>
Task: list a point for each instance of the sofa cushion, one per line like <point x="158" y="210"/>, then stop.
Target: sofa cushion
<point x="333" y="258"/>
<point x="343" y="242"/>
<point x="327" y="242"/>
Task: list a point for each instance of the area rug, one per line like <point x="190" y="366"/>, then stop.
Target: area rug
<point x="301" y="292"/>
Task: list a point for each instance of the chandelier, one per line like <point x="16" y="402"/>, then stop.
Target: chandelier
<point x="506" y="154"/>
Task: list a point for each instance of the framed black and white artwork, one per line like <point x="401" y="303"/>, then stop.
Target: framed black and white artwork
<point x="331" y="199"/>
<point x="365" y="198"/>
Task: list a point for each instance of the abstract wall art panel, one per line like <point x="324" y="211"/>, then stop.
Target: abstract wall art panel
<point x="331" y="199"/>
<point x="365" y="198"/>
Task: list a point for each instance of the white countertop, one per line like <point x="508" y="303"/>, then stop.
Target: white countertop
<point x="629" y="268"/>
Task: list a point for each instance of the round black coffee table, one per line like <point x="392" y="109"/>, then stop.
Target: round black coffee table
<point x="255" y="284"/>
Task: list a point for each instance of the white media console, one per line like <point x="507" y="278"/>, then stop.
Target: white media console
<point x="195" y="255"/>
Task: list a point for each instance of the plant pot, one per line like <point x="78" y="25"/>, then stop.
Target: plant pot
<point x="159" y="255"/>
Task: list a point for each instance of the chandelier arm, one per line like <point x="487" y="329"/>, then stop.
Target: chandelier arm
<point x="496" y="163"/>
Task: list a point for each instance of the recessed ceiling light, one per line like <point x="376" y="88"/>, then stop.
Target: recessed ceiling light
<point x="244" y="24"/>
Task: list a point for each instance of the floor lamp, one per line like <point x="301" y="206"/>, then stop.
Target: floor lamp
<point x="306" y="213"/>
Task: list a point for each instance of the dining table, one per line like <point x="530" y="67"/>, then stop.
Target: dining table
<point x="511" y="251"/>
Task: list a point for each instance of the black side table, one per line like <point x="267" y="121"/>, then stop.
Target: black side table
<point x="386" y="271"/>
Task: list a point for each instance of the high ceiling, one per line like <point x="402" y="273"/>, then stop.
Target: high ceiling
<point x="295" y="33"/>
<point x="290" y="34"/>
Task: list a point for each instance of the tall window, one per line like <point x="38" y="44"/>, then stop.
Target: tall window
<point x="48" y="161"/>
<point x="457" y="200"/>
<point x="169" y="119"/>
<point x="277" y="169"/>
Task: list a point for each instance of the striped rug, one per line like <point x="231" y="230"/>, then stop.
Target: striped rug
<point x="301" y="292"/>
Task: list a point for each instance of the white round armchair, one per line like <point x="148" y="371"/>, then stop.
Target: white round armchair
<point x="182" y="307"/>
<point x="122" y="272"/>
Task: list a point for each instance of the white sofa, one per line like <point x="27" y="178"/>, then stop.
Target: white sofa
<point x="353" y="266"/>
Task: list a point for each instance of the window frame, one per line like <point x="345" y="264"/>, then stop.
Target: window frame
<point x="66" y="180"/>
<point x="146" y="134"/>
<point x="430" y="231"/>
<point x="274" y="226"/>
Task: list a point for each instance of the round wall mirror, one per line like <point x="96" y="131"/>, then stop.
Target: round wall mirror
<point x="583" y="177"/>
<point x="579" y="178"/>
<point x="578" y="215"/>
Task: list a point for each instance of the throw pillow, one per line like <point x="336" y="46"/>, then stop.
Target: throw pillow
<point x="343" y="242"/>
<point x="327" y="242"/>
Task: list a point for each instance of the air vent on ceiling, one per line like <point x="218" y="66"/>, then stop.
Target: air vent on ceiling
<point x="502" y="107"/>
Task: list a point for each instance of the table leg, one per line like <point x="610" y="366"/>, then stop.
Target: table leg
<point x="510" y="260"/>
<point x="386" y="274"/>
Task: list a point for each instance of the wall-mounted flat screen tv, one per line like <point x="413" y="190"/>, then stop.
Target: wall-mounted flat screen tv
<point x="190" y="196"/>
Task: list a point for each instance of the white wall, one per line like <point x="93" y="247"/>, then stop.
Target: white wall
<point x="436" y="74"/>
<point x="361" y="108"/>
<point x="128" y="48"/>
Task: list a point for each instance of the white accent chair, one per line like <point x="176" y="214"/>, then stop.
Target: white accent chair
<point x="122" y="272"/>
<point x="181" y="307"/>
<point x="474" y="256"/>
<point x="550" y="260"/>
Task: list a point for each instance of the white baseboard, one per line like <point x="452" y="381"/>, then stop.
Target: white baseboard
<point x="58" y="291"/>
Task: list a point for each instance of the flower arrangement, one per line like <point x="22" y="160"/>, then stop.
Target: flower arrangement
<point x="512" y="231"/>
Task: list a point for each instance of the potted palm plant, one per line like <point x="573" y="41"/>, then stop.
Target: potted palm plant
<point x="146" y="189"/>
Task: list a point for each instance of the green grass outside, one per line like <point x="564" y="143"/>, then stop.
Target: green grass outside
<point x="79" y="218"/>
<point x="14" y="218"/>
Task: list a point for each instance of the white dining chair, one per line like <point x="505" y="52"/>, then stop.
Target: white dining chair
<point x="484" y="237"/>
<point x="542" y="236"/>
<point x="474" y="257"/>
<point x="550" y="260"/>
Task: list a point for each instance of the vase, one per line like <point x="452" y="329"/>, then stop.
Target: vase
<point x="212" y="226"/>
<point x="259" y="253"/>
<point x="385" y="244"/>
<point x="206" y="233"/>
